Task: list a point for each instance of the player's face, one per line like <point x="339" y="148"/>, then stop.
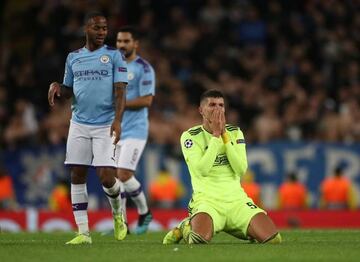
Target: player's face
<point x="126" y="43"/>
<point x="96" y="30"/>
<point x="210" y="104"/>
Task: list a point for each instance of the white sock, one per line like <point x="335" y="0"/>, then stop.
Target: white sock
<point x="113" y="195"/>
<point x="123" y="200"/>
<point x="133" y="188"/>
<point x="79" y="200"/>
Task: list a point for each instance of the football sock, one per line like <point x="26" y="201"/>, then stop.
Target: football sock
<point x="79" y="201"/>
<point x="133" y="188"/>
<point x="113" y="195"/>
<point x="276" y="239"/>
<point x="123" y="200"/>
<point x="195" y="238"/>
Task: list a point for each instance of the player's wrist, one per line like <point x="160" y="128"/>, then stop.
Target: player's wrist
<point x="225" y="137"/>
<point x="216" y="134"/>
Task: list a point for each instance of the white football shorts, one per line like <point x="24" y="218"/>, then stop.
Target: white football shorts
<point x="90" y="146"/>
<point x="130" y="151"/>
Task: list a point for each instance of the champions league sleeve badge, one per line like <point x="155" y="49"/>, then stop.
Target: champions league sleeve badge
<point x="130" y="75"/>
<point x="188" y="143"/>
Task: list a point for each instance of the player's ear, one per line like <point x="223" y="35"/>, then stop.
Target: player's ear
<point x="136" y="44"/>
<point x="200" y="110"/>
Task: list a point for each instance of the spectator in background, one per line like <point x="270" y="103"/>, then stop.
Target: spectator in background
<point x="4" y="108"/>
<point x="251" y="188"/>
<point x="7" y="194"/>
<point x="55" y="125"/>
<point x="165" y="190"/>
<point x="337" y="192"/>
<point x="277" y="59"/>
<point x="292" y="194"/>
<point x="60" y="198"/>
<point x="23" y="125"/>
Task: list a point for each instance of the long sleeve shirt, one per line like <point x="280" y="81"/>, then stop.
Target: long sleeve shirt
<point x="215" y="167"/>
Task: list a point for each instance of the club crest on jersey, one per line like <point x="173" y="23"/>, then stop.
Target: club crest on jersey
<point x="104" y="59"/>
<point x="131" y="76"/>
<point x="188" y="143"/>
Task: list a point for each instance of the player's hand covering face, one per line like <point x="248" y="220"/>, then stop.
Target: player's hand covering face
<point x="213" y="112"/>
<point x="96" y="30"/>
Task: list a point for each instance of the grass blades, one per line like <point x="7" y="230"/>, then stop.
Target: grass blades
<point x="298" y="245"/>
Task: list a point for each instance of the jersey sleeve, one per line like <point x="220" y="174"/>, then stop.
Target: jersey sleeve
<point x="119" y="69"/>
<point x="236" y="152"/>
<point x="147" y="82"/>
<point x="198" y="158"/>
<point x="68" y="74"/>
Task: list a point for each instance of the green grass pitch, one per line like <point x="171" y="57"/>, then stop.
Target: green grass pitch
<point x="298" y="245"/>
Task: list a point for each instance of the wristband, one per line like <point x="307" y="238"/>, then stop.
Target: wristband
<point x="225" y="137"/>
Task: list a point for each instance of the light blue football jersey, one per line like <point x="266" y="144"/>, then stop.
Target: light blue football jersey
<point x="141" y="82"/>
<point x="92" y="74"/>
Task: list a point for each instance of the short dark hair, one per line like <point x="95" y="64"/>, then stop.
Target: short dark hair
<point x="132" y="30"/>
<point x="338" y="171"/>
<point x="214" y="93"/>
<point x="91" y="15"/>
<point x="292" y="176"/>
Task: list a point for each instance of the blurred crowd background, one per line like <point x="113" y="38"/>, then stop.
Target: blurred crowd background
<point x="290" y="69"/>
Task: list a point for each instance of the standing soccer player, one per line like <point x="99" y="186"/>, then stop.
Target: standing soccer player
<point x="95" y="77"/>
<point x="135" y="124"/>
<point x="216" y="157"/>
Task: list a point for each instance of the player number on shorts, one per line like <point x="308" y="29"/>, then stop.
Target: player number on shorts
<point x="251" y="205"/>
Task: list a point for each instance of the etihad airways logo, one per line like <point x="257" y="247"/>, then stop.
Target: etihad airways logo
<point x="86" y="75"/>
<point x="91" y="73"/>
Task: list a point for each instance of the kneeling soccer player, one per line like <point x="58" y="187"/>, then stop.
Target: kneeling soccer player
<point x="216" y="157"/>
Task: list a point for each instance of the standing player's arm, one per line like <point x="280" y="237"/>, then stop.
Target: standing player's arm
<point x="120" y="99"/>
<point x="139" y="102"/>
<point x="65" y="90"/>
<point x="236" y="152"/>
<point x="200" y="158"/>
<point x="120" y="81"/>
<point x="146" y="89"/>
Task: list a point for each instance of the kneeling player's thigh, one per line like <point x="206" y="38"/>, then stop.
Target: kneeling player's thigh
<point x="129" y="151"/>
<point x="103" y="148"/>
<point x="210" y="210"/>
<point x="239" y="217"/>
<point x="78" y="146"/>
